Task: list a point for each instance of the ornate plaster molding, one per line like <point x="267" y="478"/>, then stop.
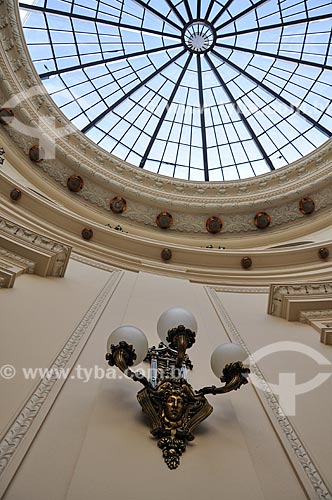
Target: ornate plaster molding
<point x="289" y="300"/>
<point x="12" y="265"/>
<point x="50" y="257"/>
<point x="138" y="252"/>
<point x="26" y="424"/>
<point x="307" y="316"/>
<point x="320" y="321"/>
<point x="7" y="277"/>
<point x="309" y="475"/>
<point x="147" y="194"/>
<point x="27" y="264"/>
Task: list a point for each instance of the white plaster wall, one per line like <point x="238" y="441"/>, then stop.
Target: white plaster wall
<point x="95" y="442"/>
<point x="37" y="317"/>
<point x="312" y="409"/>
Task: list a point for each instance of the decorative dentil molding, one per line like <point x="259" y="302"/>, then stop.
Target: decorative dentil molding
<point x="285" y="427"/>
<point x="148" y="193"/>
<point x="23" y="429"/>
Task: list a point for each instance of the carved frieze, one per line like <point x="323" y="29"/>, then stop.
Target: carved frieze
<point x="309" y="303"/>
<point x="321" y="321"/>
<point x="32" y="252"/>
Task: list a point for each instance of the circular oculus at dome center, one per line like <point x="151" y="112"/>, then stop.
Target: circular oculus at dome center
<point x="199" y="37"/>
<point x="198" y="91"/>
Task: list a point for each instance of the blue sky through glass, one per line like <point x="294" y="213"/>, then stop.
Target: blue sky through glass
<point x="245" y="90"/>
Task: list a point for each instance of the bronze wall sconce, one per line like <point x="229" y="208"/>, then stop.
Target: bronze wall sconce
<point x="172" y="405"/>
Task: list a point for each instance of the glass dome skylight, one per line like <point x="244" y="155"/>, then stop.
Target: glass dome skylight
<point x="195" y="89"/>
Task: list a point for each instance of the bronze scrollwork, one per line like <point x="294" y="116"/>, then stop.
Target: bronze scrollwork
<point x="173" y="407"/>
<point x="174" y="411"/>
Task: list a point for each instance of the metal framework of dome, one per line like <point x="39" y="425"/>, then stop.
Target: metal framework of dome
<point x="192" y="89"/>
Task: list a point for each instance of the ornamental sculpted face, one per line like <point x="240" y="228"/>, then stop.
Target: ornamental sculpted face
<point x="173" y="409"/>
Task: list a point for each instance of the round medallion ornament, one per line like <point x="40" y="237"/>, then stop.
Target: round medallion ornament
<point x="75" y="183"/>
<point x="118" y="205"/>
<point x="324" y="253"/>
<point x="262" y="220"/>
<point x="214" y="225"/>
<point x="87" y="234"/>
<point x="166" y="254"/>
<point x="246" y="262"/>
<point x="164" y="220"/>
<point x="306" y="206"/>
<point x="37" y="154"/>
<point x="15" y="194"/>
<point x="6" y="116"/>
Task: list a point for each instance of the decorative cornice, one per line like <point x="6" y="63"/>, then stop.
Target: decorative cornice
<point x="288" y="300"/>
<point x="26" y="242"/>
<point x="28" y="264"/>
<point x="7" y="278"/>
<point x="147" y="194"/>
<point x="308" y="316"/>
<point x="120" y="249"/>
<point x="295" y="445"/>
<point x="24" y="428"/>
<point x="12" y="265"/>
<point x="320" y="320"/>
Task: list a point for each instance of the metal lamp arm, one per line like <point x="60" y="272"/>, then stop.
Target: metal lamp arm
<point x="181" y="339"/>
<point x="123" y="355"/>
<point x="233" y="376"/>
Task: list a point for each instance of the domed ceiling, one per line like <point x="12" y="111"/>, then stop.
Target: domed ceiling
<point x="192" y="89"/>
